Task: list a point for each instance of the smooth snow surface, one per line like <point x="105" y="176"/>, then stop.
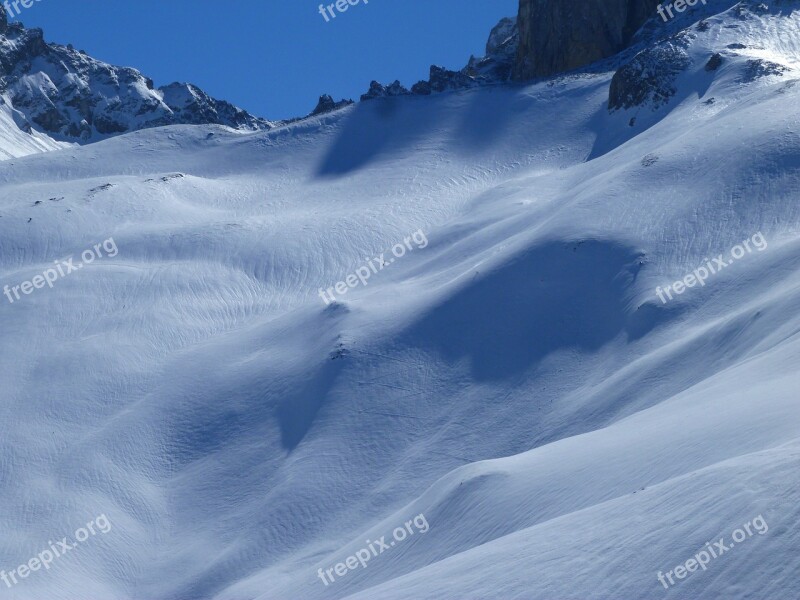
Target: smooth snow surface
<point x="517" y="381"/>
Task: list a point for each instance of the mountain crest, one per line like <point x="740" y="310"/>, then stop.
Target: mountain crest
<point x="70" y="96"/>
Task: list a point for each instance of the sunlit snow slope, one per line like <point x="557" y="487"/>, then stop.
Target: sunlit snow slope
<point x="517" y="380"/>
<point x="16" y="142"/>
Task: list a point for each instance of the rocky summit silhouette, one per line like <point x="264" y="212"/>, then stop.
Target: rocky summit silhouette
<point x="56" y="89"/>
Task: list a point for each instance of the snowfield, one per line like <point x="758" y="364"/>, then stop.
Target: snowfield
<point x="518" y="382"/>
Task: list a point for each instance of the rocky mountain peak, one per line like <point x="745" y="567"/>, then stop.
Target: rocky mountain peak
<point x="70" y="96"/>
<point x="501" y="33"/>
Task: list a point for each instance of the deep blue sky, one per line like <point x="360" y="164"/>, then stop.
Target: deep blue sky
<point x="273" y="57"/>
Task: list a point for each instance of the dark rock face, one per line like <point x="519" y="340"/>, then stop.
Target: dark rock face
<point x="714" y="62"/>
<point x="421" y="88"/>
<point x="72" y="97"/>
<point x="561" y="35"/>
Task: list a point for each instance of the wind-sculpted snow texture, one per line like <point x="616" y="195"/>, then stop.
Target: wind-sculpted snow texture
<point x="517" y="381"/>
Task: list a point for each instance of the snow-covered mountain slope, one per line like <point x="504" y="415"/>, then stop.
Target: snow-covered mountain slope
<point x="17" y="138"/>
<point x="514" y="377"/>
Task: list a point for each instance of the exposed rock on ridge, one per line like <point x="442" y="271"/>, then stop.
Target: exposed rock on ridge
<point x="494" y="67"/>
<point x="649" y="78"/>
<point x="327" y="104"/>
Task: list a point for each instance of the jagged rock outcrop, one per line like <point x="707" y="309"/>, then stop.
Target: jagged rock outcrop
<point x="561" y="35"/>
<point x="714" y="62"/>
<point x="501" y="53"/>
<point x="377" y="90"/>
<point x="70" y="96"/>
<point x="443" y="80"/>
<point x="494" y="67"/>
<point x="327" y="104"/>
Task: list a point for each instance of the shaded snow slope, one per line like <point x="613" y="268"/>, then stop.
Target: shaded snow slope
<point x="517" y="380"/>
